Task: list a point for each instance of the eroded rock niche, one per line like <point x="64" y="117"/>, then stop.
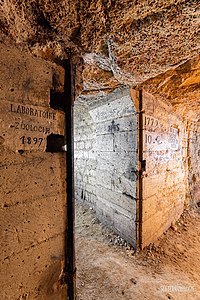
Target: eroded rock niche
<point x="106" y="159"/>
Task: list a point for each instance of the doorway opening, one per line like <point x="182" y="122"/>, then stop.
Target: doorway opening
<point x="106" y="159"/>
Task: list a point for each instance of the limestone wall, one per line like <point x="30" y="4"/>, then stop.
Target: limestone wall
<point x="165" y="178"/>
<point x="32" y="210"/>
<point x="106" y="162"/>
<point x="85" y="155"/>
<point x="194" y="161"/>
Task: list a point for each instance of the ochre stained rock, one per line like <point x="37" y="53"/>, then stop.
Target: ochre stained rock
<point x="123" y="42"/>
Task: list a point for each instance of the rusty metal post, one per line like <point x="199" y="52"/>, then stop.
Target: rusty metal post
<point x="141" y="167"/>
<point x="136" y="95"/>
<point x="69" y="268"/>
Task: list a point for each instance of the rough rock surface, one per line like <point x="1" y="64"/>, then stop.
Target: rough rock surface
<point x="108" y="269"/>
<point x="124" y="42"/>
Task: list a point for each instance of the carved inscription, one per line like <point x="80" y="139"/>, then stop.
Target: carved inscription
<point x="26" y="127"/>
<point x="29" y="111"/>
<point x="173" y="138"/>
<point x="113" y="127"/>
<point x="160" y="141"/>
<point x="30" y="127"/>
<point x="28" y="140"/>
<point x="150" y="123"/>
<point x="153" y="135"/>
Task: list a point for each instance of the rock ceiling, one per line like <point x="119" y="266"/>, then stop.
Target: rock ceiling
<point x="151" y="43"/>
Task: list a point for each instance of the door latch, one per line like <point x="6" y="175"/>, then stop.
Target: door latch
<point x="143" y="165"/>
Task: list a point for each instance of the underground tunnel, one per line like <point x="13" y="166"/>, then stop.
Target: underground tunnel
<point x="106" y="164"/>
<point x="131" y="83"/>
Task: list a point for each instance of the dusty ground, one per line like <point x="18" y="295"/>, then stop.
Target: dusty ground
<point x="169" y="269"/>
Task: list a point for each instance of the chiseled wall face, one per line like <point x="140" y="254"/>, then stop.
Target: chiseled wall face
<point x="165" y="178"/>
<point x="32" y="193"/>
<point x="85" y="155"/>
<point x="194" y="161"/>
<point x="106" y="160"/>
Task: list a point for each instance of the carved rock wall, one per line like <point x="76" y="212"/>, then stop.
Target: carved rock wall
<point x="154" y="44"/>
<point x="141" y="38"/>
<point x="32" y="181"/>
<point x="165" y="177"/>
<point x="193" y="161"/>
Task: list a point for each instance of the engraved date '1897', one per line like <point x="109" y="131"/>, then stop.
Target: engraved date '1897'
<point x="29" y="141"/>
